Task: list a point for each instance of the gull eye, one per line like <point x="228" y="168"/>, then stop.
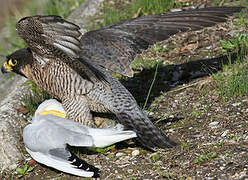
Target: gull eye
<point x="12" y="62"/>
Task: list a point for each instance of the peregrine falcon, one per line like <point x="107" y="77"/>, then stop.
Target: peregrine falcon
<point x="75" y="68"/>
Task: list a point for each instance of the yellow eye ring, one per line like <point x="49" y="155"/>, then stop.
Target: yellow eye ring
<point x="12" y="63"/>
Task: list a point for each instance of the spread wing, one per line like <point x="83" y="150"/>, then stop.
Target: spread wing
<point x="52" y="38"/>
<point x="115" y="46"/>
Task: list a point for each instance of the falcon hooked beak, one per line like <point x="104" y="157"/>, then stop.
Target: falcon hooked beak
<point x="7" y="66"/>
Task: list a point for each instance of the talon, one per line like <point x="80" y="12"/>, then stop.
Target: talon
<point x="99" y="122"/>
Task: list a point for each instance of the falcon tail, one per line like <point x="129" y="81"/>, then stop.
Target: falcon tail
<point x="124" y="106"/>
<point x="148" y="134"/>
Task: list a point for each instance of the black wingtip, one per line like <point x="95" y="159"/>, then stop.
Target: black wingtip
<point x="81" y="164"/>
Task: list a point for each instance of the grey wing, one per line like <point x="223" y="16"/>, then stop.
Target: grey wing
<point x="44" y="134"/>
<point x="62" y="159"/>
<point x="53" y="38"/>
<point x="67" y="124"/>
<point x="115" y="46"/>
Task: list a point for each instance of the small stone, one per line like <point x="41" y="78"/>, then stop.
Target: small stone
<point x="224" y="133"/>
<point x="135" y="153"/>
<point x="213" y="124"/>
<point x="150" y="113"/>
<point x="171" y="116"/>
<point x="119" y="154"/>
<point x="176" y="10"/>
<point x="209" y="47"/>
<point x="28" y="159"/>
<point x="130" y="171"/>
<point x="222" y="168"/>
<point x="236" y="104"/>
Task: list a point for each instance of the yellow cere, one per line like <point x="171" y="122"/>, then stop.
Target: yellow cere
<point x="7" y="66"/>
<point x="53" y="112"/>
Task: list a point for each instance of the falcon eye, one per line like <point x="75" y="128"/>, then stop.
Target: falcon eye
<point x="12" y="62"/>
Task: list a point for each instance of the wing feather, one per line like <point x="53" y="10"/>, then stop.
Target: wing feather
<point x="116" y="46"/>
<point x="52" y="38"/>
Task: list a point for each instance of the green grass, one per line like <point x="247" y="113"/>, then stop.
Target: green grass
<point x="205" y="157"/>
<point x="33" y="100"/>
<point x="150" y="89"/>
<point x="24" y="171"/>
<point x="62" y="8"/>
<point x="137" y="8"/>
<point x="233" y="81"/>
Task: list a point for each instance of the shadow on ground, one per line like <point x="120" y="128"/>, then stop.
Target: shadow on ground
<point x="170" y="76"/>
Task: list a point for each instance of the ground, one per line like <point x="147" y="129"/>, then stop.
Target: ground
<point x="185" y="102"/>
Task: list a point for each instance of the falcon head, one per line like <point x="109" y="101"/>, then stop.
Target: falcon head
<point x="18" y="62"/>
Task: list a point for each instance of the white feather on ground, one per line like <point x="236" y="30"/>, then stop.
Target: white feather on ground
<point x="47" y="138"/>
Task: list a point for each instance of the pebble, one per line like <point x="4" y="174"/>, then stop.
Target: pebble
<point x="224" y="133"/>
<point x="171" y="116"/>
<point x="119" y="154"/>
<point x="28" y="159"/>
<point x="236" y="104"/>
<point x="176" y="10"/>
<point x="209" y="47"/>
<point x="222" y="168"/>
<point x="242" y="174"/>
<point x="129" y="171"/>
<point x="135" y="153"/>
<point x="213" y="124"/>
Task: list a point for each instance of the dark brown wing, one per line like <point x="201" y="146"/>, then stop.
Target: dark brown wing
<point x="115" y="46"/>
<point x="52" y="38"/>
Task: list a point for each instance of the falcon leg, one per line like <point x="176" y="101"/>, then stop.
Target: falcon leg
<point x="102" y="116"/>
<point x="77" y="109"/>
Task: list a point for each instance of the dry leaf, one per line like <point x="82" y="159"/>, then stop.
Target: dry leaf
<point x="22" y="110"/>
<point x="137" y="13"/>
<point x="189" y="47"/>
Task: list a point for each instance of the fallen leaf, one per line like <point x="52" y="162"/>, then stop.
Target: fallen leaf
<point x="189" y="47"/>
<point x="22" y="110"/>
<point x="137" y="13"/>
<point x="32" y="162"/>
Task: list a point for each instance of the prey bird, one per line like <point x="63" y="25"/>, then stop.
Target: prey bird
<point x="49" y="136"/>
<point x="75" y="68"/>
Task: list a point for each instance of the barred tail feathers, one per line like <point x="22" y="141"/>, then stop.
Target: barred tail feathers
<point x="148" y="134"/>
